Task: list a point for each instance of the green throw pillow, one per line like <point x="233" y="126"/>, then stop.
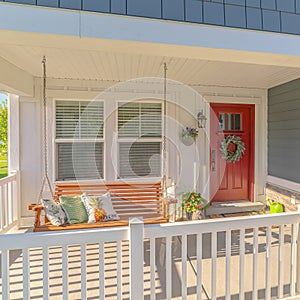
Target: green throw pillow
<point x="74" y="209"/>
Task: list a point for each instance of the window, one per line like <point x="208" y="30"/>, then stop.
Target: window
<point x="230" y="121"/>
<point x="140" y="139"/>
<point x="79" y="140"/>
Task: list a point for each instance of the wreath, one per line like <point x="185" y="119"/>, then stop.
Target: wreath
<point x="239" y="151"/>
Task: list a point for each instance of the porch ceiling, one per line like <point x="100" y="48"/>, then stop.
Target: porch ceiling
<point x="120" y="66"/>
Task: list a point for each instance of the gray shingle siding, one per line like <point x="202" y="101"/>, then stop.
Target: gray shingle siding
<point x="268" y="15"/>
<point x="284" y="131"/>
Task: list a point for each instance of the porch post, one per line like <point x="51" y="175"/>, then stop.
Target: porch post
<point x="13" y="133"/>
<point x="13" y="158"/>
<point x="136" y="257"/>
<point x="298" y="259"/>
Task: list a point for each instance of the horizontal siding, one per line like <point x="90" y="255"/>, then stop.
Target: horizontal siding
<point x="267" y="15"/>
<point x="284" y="131"/>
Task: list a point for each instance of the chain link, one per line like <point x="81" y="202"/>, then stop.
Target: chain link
<point x="46" y="179"/>
<point x="164" y="181"/>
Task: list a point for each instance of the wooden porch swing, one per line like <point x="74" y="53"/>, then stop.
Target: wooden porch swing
<point x="129" y="200"/>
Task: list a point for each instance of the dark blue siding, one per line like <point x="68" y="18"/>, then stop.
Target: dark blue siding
<point x="268" y="15"/>
<point x="284" y="131"/>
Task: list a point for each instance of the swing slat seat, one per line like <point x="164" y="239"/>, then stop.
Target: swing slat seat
<point x="128" y="199"/>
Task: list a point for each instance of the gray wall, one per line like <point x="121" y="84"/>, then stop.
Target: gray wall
<point x="268" y="15"/>
<point x="284" y="131"/>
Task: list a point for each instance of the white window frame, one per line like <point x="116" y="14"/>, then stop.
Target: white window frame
<point x="160" y="140"/>
<point x="57" y="141"/>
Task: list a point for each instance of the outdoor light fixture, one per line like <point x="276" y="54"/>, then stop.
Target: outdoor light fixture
<point x="201" y="119"/>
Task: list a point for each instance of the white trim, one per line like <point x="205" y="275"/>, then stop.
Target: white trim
<point x="286" y="184"/>
<point x="61" y="141"/>
<point x="56" y="141"/>
<point x="231" y="99"/>
<point x="139" y="140"/>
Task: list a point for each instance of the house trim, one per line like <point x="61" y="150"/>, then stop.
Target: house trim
<point x="286" y="184"/>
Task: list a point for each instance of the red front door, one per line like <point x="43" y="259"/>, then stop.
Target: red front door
<point x="231" y="180"/>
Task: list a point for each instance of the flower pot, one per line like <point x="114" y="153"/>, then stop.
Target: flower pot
<point x="188" y="140"/>
<point x="189" y="215"/>
<point x="193" y="216"/>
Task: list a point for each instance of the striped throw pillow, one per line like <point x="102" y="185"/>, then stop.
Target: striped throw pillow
<point x="74" y="209"/>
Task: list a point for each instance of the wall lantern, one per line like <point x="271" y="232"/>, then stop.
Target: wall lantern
<point x="201" y="119"/>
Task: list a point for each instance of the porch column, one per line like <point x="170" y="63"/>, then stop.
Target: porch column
<point x="136" y="253"/>
<point x="13" y="133"/>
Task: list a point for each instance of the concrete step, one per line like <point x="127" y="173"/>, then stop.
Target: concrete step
<point x="231" y="207"/>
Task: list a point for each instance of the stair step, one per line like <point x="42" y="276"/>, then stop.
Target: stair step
<point x="230" y="207"/>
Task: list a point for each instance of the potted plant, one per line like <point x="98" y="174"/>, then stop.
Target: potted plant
<point x="189" y="135"/>
<point x="194" y="205"/>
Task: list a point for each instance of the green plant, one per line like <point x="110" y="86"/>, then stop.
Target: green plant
<point x="236" y="155"/>
<point x="192" y="202"/>
<point x="190" y="132"/>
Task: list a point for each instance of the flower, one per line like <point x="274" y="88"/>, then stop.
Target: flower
<point x="190" y="132"/>
<point x="192" y="201"/>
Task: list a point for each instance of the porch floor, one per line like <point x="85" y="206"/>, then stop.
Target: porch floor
<point x="92" y="269"/>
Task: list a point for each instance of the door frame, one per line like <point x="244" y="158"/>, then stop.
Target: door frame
<point x="251" y="149"/>
<point x="259" y="98"/>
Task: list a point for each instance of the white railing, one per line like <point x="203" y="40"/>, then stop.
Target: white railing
<point x="244" y="257"/>
<point x="9" y="201"/>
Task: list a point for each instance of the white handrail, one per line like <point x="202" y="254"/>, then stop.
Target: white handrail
<point x="142" y="249"/>
<point x="9" y="201"/>
<point x="8" y="179"/>
<point x="217" y="225"/>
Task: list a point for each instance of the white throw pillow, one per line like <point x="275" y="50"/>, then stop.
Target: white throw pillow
<point x="103" y="203"/>
<point x="54" y="212"/>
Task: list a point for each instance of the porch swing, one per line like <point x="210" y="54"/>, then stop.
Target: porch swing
<point x="128" y="200"/>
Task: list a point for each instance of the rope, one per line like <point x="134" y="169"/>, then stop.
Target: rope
<point x="164" y="181"/>
<point x="46" y="180"/>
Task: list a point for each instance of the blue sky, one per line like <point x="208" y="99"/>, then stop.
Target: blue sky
<point x="2" y="97"/>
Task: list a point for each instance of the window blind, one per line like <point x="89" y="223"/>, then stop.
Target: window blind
<point x="137" y="120"/>
<point x="79" y="119"/>
<point x="79" y="161"/>
<point x="139" y="159"/>
<point x="79" y="122"/>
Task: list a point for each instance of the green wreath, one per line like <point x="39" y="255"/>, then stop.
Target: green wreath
<point x="238" y="153"/>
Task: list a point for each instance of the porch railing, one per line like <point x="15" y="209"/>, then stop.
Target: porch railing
<point x="9" y="201"/>
<point x="246" y="257"/>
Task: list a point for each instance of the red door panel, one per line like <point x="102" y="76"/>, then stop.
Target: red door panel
<point x="231" y="180"/>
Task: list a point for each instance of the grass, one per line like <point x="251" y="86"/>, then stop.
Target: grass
<point x="3" y="166"/>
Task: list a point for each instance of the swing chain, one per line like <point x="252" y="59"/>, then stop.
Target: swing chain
<point x="46" y="179"/>
<point x="164" y="181"/>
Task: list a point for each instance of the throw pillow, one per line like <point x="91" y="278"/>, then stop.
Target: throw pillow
<point x="99" y="208"/>
<point x="54" y="212"/>
<point x="74" y="209"/>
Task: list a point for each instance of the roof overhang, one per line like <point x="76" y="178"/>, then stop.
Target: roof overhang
<point x="94" y="46"/>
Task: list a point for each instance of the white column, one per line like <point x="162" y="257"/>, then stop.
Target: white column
<point x="298" y="261"/>
<point x="13" y="133"/>
<point x="136" y="258"/>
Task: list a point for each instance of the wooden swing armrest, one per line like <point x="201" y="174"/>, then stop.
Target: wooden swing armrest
<point x="37" y="208"/>
<point x="166" y="204"/>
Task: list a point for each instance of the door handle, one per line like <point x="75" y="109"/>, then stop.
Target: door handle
<point x="213" y="160"/>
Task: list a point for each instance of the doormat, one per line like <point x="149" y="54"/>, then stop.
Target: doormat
<point x="243" y="214"/>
